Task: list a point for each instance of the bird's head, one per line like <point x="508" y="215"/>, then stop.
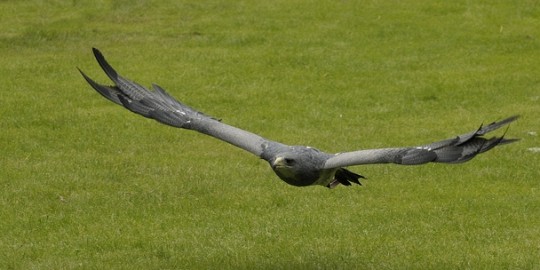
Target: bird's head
<point x="285" y="166"/>
<point x="298" y="167"/>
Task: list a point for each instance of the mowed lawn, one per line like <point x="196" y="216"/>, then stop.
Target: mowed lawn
<point x="85" y="184"/>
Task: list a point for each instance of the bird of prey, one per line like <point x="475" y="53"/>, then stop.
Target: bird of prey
<point x="296" y="165"/>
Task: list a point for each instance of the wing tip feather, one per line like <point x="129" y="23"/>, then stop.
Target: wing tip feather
<point x="109" y="70"/>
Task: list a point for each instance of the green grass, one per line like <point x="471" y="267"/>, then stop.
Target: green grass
<point x="86" y="184"/>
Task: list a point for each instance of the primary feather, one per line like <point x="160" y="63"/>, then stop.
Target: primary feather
<point x="296" y="165"/>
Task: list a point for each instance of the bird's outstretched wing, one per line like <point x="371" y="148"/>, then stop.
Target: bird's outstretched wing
<point x="455" y="150"/>
<point x="160" y="106"/>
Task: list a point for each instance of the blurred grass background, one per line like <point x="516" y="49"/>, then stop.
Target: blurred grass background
<point x="85" y="184"/>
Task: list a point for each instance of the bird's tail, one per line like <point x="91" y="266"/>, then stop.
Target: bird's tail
<point x="345" y="177"/>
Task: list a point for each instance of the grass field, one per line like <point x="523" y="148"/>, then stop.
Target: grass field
<point x="84" y="184"/>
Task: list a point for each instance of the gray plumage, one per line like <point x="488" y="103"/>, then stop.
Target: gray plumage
<point x="296" y="165"/>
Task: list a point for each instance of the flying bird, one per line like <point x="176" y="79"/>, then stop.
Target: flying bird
<point x="296" y="165"/>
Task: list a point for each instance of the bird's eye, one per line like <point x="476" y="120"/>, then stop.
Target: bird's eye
<point x="289" y="161"/>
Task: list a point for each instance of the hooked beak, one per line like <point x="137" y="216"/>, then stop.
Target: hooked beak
<point x="279" y="162"/>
